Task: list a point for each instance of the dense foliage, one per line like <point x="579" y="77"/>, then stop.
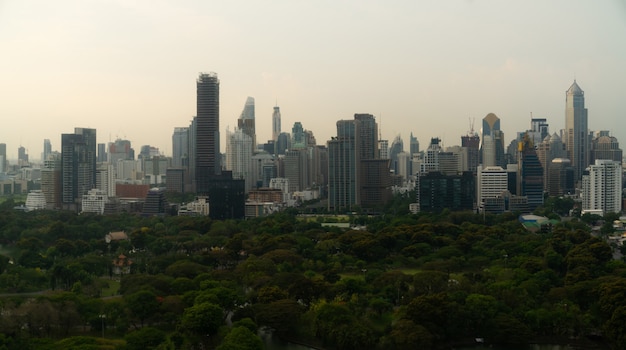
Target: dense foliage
<point x="405" y="282"/>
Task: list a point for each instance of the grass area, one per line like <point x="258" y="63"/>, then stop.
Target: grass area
<point x="112" y="287"/>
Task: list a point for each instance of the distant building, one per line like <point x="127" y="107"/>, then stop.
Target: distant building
<point x="604" y="146"/>
<point x="156" y="203"/>
<point x="94" y="201"/>
<point x="491" y="183"/>
<point x="439" y="191"/>
<point x="35" y="200"/>
<point x="276" y="126"/>
<point x="530" y="174"/>
<point x="576" y="137"/>
<point x="492" y="148"/>
<point x="602" y="187"/>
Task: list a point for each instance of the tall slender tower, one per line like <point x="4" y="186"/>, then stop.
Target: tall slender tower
<point x="576" y="134"/>
<point x="492" y="147"/>
<point x="246" y="121"/>
<point x="276" y="123"/>
<point x="207" y="140"/>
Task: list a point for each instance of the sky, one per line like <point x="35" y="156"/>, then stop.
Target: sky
<point x="128" y="67"/>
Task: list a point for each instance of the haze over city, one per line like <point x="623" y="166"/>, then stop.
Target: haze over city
<point x="128" y="69"/>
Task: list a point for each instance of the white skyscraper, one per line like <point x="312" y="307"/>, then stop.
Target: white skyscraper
<point x="602" y="187"/>
<point x="276" y="128"/>
<point x="491" y="182"/>
<point x="239" y="156"/>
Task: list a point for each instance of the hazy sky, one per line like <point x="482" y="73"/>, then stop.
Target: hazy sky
<point x="128" y="68"/>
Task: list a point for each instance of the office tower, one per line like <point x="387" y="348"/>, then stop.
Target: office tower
<point x="296" y="168"/>
<point x="343" y="161"/>
<point x="602" y="187"/>
<point x="120" y="150"/>
<point x="397" y="146"/>
<point x="263" y="169"/>
<point x="414" y="145"/>
<point x="438" y="191"/>
<point x="190" y="175"/>
<point x="105" y="179"/>
<point x="298" y="136"/>
<point x="246" y="121"/>
<point x="368" y="136"/>
<point x="156" y="204"/>
<point x="561" y="177"/>
<point x="491" y="182"/>
<point x="530" y="173"/>
<point x="239" y="156"/>
<point x="431" y="156"/>
<point x="78" y="165"/>
<point x="180" y="147"/>
<point x="47" y="150"/>
<point x="471" y="146"/>
<point x="576" y="136"/>
<point x="604" y="146"/>
<point x="102" y="153"/>
<point x="3" y="157"/>
<point x="383" y="149"/>
<point x="51" y="181"/>
<point x="283" y="143"/>
<point x="492" y="148"/>
<point x="276" y="128"/>
<point x="22" y="156"/>
<point x="89" y="138"/>
<point x="539" y="129"/>
<point x="207" y="139"/>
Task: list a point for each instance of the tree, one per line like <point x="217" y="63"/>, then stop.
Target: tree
<point x="241" y="338"/>
<point x="142" y="305"/>
<point x="202" y="319"/>
<point x="144" y="338"/>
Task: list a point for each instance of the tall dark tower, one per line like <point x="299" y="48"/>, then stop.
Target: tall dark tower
<point x="78" y="165"/>
<point x="207" y="140"/>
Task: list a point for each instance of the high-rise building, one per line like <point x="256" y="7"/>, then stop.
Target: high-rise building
<point x="276" y="127"/>
<point x="561" y="178"/>
<point x="471" y="146"/>
<point x="298" y="136"/>
<point x="3" y="158"/>
<point x="530" y="173"/>
<point x="102" y="153"/>
<point x="414" y="145"/>
<point x="246" y="121"/>
<point x="239" y="156"/>
<point x="602" y="187"/>
<point x="343" y="161"/>
<point x="207" y="139"/>
<point x="604" y="146"/>
<point x="576" y="136"/>
<point x="78" y="165"/>
<point x="283" y="143"/>
<point x="491" y="182"/>
<point x="431" y="156"/>
<point x="47" y="150"/>
<point x="180" y="147"/>
<point x="120" y="150"/>
<point x="89" y="138"/>
<point x="397" y="146"/>
<point x="492" y="148"/>
<point x="438" y="191"/>
<point x="51" y="181"/>
<point x="22" y="156"/>
<point x="539" y="129"/>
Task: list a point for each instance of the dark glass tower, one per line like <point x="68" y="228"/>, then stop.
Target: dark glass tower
<point x="530" y="178"/>
<point x="207" y="140"/>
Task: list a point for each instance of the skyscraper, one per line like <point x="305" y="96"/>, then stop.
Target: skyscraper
<point x="180" y="147"/>
<point x="576" y="137"/>
<point x="3" y="157"/>
<point x="207" y="140"/>
<point x="492" y="148"/>
<point x="343" y="161"/>
<point x="47" y="149"/>
<point x="276" y="128"/>
<point x="530" y="173"/>
<point x="246" y="121"/>
<point x="602" y="187"/>
<point x="78" y="165"/>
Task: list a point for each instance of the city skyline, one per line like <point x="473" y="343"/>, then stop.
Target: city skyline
<point x="64" y="66"/>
